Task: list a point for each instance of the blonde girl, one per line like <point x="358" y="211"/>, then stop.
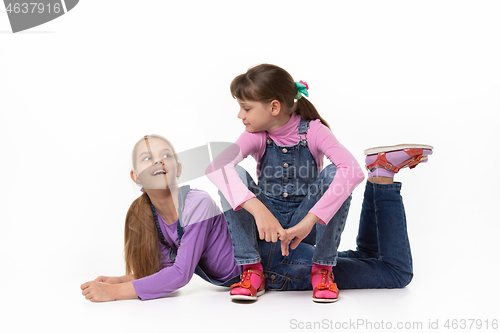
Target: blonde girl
<point x="171" y="232"/>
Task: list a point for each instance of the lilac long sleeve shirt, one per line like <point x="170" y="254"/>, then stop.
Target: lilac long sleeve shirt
<point x="206" y="242"/>
<point x="321" y="142"/>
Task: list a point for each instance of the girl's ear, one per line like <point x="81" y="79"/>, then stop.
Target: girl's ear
<point x="134" y="178"/>
<point x="179" y="170"/>
<point x="275" y="107"/>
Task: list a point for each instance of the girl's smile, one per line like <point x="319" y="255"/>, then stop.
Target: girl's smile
<point x="158" y="171"/>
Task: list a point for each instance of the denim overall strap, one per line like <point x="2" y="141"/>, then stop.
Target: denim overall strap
<point x="304" y="126"/>
<point x="158" y="229"/>
<point x="183" y="191"/>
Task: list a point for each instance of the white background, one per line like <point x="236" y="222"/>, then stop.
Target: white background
<point x="78" y="92"/>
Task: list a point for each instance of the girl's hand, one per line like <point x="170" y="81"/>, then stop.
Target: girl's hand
<point x="99" y="292"/>
<point x="301" y="230"/>
<point x="103" y="292"/>
<point x="271" y="230"/>
<point x="268" y="226"/>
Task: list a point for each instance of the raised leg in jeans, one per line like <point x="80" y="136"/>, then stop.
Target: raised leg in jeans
<point x="383" y="257"/>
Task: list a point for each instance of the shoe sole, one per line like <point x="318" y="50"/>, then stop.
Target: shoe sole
<point x="325" y="300"/>
<point x="246" y="297"/>
<point x="384" y="149"/>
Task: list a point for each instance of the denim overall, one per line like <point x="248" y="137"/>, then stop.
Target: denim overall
<point x="172" y="252"/>
<point x="289" y="186"/>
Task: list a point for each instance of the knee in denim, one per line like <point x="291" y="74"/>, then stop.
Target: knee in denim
<point x="328" y="173"/>
<point x="243" y="174"/>
<point x="403" y="279"/>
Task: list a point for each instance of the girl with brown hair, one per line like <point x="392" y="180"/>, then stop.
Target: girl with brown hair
<point x="171" y="232"/>
<point x="286" y="228"/>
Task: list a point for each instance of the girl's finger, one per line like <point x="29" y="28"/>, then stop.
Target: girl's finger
<point x="295" y="243"/>
<point x="284" y="248"/>
<point x="86" y="291"/>
<point x="261" y="235"/>
<point x="274" y="237"/>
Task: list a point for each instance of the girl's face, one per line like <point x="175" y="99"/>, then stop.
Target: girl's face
<point x="256" y="116"/>
<point x="156" y="166"/>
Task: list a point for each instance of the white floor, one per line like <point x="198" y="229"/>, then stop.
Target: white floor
<point x="203" y="307"/>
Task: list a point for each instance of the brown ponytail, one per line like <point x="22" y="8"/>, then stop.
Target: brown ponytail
<point x="265" y="83"/>
<point x="307" y="111"/>
<point x="141" y="239"/>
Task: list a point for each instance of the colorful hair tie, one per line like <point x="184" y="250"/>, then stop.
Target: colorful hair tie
<point x="302" y="88"/>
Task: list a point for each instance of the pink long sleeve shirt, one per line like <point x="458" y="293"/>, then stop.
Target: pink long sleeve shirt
<point x="321" y="142"/>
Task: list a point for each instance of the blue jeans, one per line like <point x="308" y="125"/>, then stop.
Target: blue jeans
<point x="382" y="258"/>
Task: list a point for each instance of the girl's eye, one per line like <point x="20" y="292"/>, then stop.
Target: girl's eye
<point x="246" y="109"/>
<point x="167" y="155"/>
<point x="146" y="158"/>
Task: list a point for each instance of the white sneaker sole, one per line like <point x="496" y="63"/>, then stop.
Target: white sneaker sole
<point x="246" y="297"/>
<point x="325" y="300"/>
<point x="384" y="149"/>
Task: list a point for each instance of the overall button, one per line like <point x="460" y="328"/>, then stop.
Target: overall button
<point x="304" y="143"/>
<point x="269" y="141"/>
<point x="285" y="180"/>
<point x="285" y="195"/>
<point x="284" y="150"/>
<point x="285" y="165"/>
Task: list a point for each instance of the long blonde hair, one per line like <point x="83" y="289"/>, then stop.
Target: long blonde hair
<point x="141" y="239"/>
<point x="142" y="253"/>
